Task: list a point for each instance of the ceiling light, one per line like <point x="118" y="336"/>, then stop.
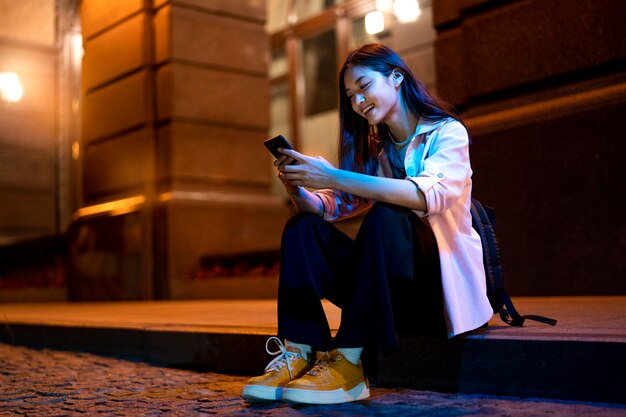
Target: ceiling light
<point x="384" y="5"/>
<point x="406" y="10"/>
<point x="11" y="88"/>
<point x="374" y="22"/>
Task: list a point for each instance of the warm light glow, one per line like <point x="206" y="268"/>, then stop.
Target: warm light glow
<point x="11" y="88"/>
<point x="77" y="47"/>
<point x="113" y="208"/>
<point x="384" y="5"/>
<point x="406" y="10"/>
<point x="374" y="22"/>
<point x="75" y="150"/>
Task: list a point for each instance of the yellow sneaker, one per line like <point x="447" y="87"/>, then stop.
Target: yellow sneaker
<point x="289" y="365"/>
<point x="333" y="380"/>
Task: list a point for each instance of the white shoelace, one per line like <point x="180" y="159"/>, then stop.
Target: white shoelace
<point x="285" y="357"/>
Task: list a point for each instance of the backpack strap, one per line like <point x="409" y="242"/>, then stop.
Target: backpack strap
<point x="509" y="314"/>
<point x="483" y="223"/>
<point x="483" y="219"/>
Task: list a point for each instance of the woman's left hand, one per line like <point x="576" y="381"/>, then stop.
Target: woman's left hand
<point x="310" y="171"/>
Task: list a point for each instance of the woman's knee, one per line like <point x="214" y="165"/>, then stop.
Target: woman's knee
<point x="302" y="225"/>
<point x="302" y="220"/>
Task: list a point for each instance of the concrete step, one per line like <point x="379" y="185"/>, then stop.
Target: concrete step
<point x="582" y="358"/>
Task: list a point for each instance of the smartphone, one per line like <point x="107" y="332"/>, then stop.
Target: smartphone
<point x="278" y="142"/>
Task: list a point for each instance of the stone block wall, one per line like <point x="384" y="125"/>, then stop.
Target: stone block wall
<point x="110" y="247"/>
<point x="542" y="87"/>
<point x="175" y="109"/>
<point x="28" y="142"/>
<point x="212" y="107"/>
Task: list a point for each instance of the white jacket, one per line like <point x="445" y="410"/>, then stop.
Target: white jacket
<point x="437" y="161"/>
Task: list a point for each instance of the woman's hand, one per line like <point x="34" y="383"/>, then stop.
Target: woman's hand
<point x="310" y="171"/>
<point x="291" y="168"/>
<point x="291" y="189"/>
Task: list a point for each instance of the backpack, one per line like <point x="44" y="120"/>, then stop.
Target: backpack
<point x="483" y="221"/>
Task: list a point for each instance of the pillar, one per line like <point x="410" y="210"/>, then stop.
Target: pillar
<point x="175" y="109"/>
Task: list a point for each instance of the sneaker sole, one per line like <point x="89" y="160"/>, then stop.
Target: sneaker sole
<point x="338" y="396"/>
<point x="256" y="393"/>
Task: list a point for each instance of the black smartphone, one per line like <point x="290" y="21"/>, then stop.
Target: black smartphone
<point x="278" y="142"/>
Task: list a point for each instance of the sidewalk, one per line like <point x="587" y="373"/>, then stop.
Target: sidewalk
<point x="50" y="383"/>
<point x="582" y="358"/>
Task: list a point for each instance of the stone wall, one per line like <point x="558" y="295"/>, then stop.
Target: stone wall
<point x="175" y="111"/>
<point x="542" y="86"/>
<point x="28" y="143"/>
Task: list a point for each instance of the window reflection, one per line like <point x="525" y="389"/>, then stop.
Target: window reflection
<point x="277" y="15"/>
<point x="320" y="123"/>
<point x="280" y="109"/>
<point x="319" y="58"/>
<point x="360" y="35"/>
<point x="307" y="8"/>
<point x="278" y="63"/>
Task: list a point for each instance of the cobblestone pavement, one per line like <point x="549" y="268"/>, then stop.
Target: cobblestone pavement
<point x="51" y="383"/>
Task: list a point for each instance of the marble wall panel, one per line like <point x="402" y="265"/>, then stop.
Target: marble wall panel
<point x="98" y="15"/>
<point x="196" y="229"/>
<point x="536" y="40"/>
<point x="211" y="90"/>
<point x="466" y="4"/>
<point x="450" y="66"/>
<point x="213" y="154"/>
<point x="554" y="184"/>
<point x="445" y="12"/>
<point x="541" y="84"/>
<point x="162" y="34"/>
<point x="26" y="168"/>
<point x="247" y="9"/>
<point x="27" y="210"/>
<point x="210" y="95"/>
<point x="116" y="108"/>
<point x="106" y="259"/>
<point x="30" y="21"/>
<point x="117" y="164"/>
<point x="116" y="52"/>
<point x="527" y="42"/>
<point x="210" y="39"/>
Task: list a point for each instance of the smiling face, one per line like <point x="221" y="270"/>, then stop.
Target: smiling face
<point x="373" y="95"/>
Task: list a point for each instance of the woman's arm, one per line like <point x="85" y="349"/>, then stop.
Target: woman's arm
<point x="316" y="172"/>
<point x="306" y="201"/>
<point x="388" y="190"/>
<point x="445" y="174"/>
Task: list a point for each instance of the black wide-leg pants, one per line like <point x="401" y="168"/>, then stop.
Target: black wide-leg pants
<point x="386" y="281"/>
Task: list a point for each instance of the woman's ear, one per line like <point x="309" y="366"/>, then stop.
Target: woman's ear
<point x="396" y="77"/>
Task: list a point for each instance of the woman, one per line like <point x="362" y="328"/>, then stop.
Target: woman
<point x="416" y="263"/>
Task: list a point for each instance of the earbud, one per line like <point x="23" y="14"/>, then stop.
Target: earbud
<point x="397" y="77"/>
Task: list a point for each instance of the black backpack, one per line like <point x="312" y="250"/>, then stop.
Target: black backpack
<point x="483" y="221"/>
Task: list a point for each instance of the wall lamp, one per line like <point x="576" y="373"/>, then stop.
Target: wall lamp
<point x="11" y="89"/>
<point x="406" y="11"/>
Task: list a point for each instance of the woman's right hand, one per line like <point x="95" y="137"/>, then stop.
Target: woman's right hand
<point x="303" y="199"/>
<point x="289" y="187"/>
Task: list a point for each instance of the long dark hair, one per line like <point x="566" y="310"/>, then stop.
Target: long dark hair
<point x="359" y="142"/>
